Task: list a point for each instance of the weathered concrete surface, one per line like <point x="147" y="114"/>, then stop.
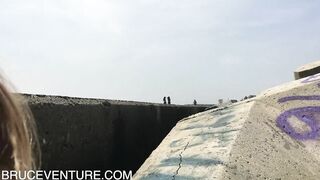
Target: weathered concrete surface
<point x="272" y="136"/>
<point x="307" y="70"/>
<point x="79" y="133"/>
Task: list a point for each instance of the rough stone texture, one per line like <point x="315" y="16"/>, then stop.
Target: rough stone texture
<point x="307" y="70"/>
<point x="272" y="136"/>
<point x="79" y="133"/>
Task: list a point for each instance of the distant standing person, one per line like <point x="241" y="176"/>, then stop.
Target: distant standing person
<point x="194" y="102"/>
<point x="164" y="100"/>
<point x="169" y="100"/>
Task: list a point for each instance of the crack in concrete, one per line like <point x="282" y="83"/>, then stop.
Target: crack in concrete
<point x="180" y="162"/>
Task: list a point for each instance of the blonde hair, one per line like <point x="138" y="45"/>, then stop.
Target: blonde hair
<point x="19" y="147"/>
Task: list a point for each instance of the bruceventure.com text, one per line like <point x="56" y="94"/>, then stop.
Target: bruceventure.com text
<point x="68" y="174"/>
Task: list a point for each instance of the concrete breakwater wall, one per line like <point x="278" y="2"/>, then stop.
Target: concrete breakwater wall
<point x="273" y="136"/>
<point x="78" y="133"/>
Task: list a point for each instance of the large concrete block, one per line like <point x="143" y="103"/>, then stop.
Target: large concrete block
<point x="80" y="133"/>
<point x="273" y="136"/>
<point x="307" y="70"/>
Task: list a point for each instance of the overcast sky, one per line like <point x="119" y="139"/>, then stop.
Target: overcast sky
<point x="143" y="50"/>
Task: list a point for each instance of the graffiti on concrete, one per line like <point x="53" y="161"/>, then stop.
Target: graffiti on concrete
<point x="312" y="78"/>
<point x="308" y="115"/>
<point x="294" y="98"/>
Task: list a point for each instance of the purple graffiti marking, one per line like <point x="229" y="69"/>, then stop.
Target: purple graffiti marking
<point x="312" y="78"/>
<point x="304" y="114"/>
<point x="295" y="98"/>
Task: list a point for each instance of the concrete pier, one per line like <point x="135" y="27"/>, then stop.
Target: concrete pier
<point x="273" y="136"/>
<point x="80" y="133"/>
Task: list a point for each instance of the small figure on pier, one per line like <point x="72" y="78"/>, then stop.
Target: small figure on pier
<point x="169" y="100"/>
<point x="164" y="100"/>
